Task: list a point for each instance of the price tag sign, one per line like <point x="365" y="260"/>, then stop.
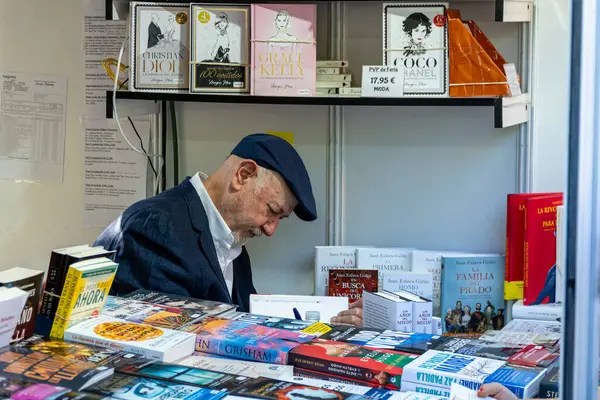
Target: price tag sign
<point x="382" y="81"/>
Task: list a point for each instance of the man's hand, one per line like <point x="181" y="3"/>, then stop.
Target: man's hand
<point x="352" y="316"/>
<point x="496" y="391"/>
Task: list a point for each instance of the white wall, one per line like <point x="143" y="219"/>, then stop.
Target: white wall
<point x="36" y="217"/>
<point x="417" y="144"/>
<point x="551" y="95"/>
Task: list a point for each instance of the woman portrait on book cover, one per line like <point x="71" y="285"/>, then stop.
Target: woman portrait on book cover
<point x="283" y="38"/>
<point x="222" y="45"/>
<point x="417" y="27"/>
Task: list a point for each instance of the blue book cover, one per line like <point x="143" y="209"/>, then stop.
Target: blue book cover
<point x="472" y="293"/>
<point x="523" y="381"/>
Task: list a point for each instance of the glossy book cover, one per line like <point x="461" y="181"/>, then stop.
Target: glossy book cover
<point x="377" y="366"/>
<point x="284" y="49"/>
<point x="244" y="341"/>
<point x="415" y="343"/>
<point x="174" y="300"/>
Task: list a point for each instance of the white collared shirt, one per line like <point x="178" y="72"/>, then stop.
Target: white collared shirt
<point x="222" y="236"/>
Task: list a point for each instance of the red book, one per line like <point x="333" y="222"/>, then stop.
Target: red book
<point x="534" y="356"/>
<point x="539" y="264"/>
<point x="351" y="283"/>
<point x="515" y="237"/>
<point x="377" y="366"/>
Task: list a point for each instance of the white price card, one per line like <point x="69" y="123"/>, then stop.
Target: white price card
<point x="382" y="81"/>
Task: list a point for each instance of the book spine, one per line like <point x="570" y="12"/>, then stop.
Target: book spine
<point x="328" y="71"/>
<point x="66" y="303"/>
<point x="26" y="324"/>
<point x="252" y="48"/>
<point x="53" y="284"/>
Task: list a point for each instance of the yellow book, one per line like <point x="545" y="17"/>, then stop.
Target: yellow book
<point x="84" y="293"/>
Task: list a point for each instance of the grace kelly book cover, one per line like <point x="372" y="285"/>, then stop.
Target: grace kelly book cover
<point x="284" y="49"/>
<point x="381" y="367"/>
<point x="472" y="294"/>
<point x="415" y="35"/>
<point x="220" y="48"/>
<point x="244" y="341"/>
<point x="159" y="46"/>
<point x="416" y="343"/>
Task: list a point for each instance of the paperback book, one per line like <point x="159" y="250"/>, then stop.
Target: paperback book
<point x="294" y="325"/>
<point x="183" y="374"/>
<point x="331" y="257"/>
<point x="85" y="291"/>
<point x="265" y="388"/>
<point x="480" y="348"/>
<point x="415" y="343"/>
<point x="188" y="303"/>
<point x="99" y="356"/>
<point x="35" y="366"/>
<point x="151" y="314"/>
<point x="245" y="341"/>
<point x="128" y="387"/>
<point x="522" y="338"/>
<point x="149" y="341"/>
<point x="12" y="302"/>
<point x="29" y="281"/>
<point x="250" y="369"/>
<point x="284" y="51"/>
<point x="381" y="367"/>
<point x="18" y="389"/>
<point x="159" y="46"/>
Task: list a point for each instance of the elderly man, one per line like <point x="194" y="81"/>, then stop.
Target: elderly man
<point x="189" y="240"/>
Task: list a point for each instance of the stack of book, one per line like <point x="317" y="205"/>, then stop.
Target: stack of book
<point x="333" y="78"/>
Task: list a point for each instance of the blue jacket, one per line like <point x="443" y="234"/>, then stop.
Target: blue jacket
<point x="164" y="243"/>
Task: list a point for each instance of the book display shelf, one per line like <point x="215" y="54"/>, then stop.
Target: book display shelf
<point x="418" y="162"/>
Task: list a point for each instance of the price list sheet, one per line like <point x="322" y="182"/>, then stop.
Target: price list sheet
<point x="32" y="127"/>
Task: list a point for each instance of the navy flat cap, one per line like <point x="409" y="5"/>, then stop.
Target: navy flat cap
<point x="276" y="154"/>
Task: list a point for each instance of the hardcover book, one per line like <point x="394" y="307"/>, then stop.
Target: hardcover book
<point x="522" y="338"/>
<point x="523" y="381"/>
<point x="182" y="374"/>
<point x="35" y="366"/>
<point x="526" y="325"/>
<point x="188" y="303"/>
<point x="151" y="314"/>
<point x="415" y="343"/>
<point x="539" y="269"/>
<point x="284" y="51"/>
<point x="128" y="387"/>
<point x="152" y="342"/>
<point x="548" y="312"/>
<point x="98" y="356"/>
<point x="515" y="240"/>
<point x="380" y="367"/>
<point x="430" y="262"/>
<point x="550" y="384"/>
<point x="220" y="43"/>
<point x="352" y="283"/>
<point x="159" y="46"/>
<point x="415" y="36"/>
<point x="245" y="341"/>
<point x="472" y="293"/>
<point x="417" y="283"/>
<point x="29" y="281"/>
<point x="331" y="257"/>
<point x="85" y="291"/>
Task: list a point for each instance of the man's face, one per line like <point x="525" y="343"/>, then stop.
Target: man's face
<point x="258" y="208"/>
